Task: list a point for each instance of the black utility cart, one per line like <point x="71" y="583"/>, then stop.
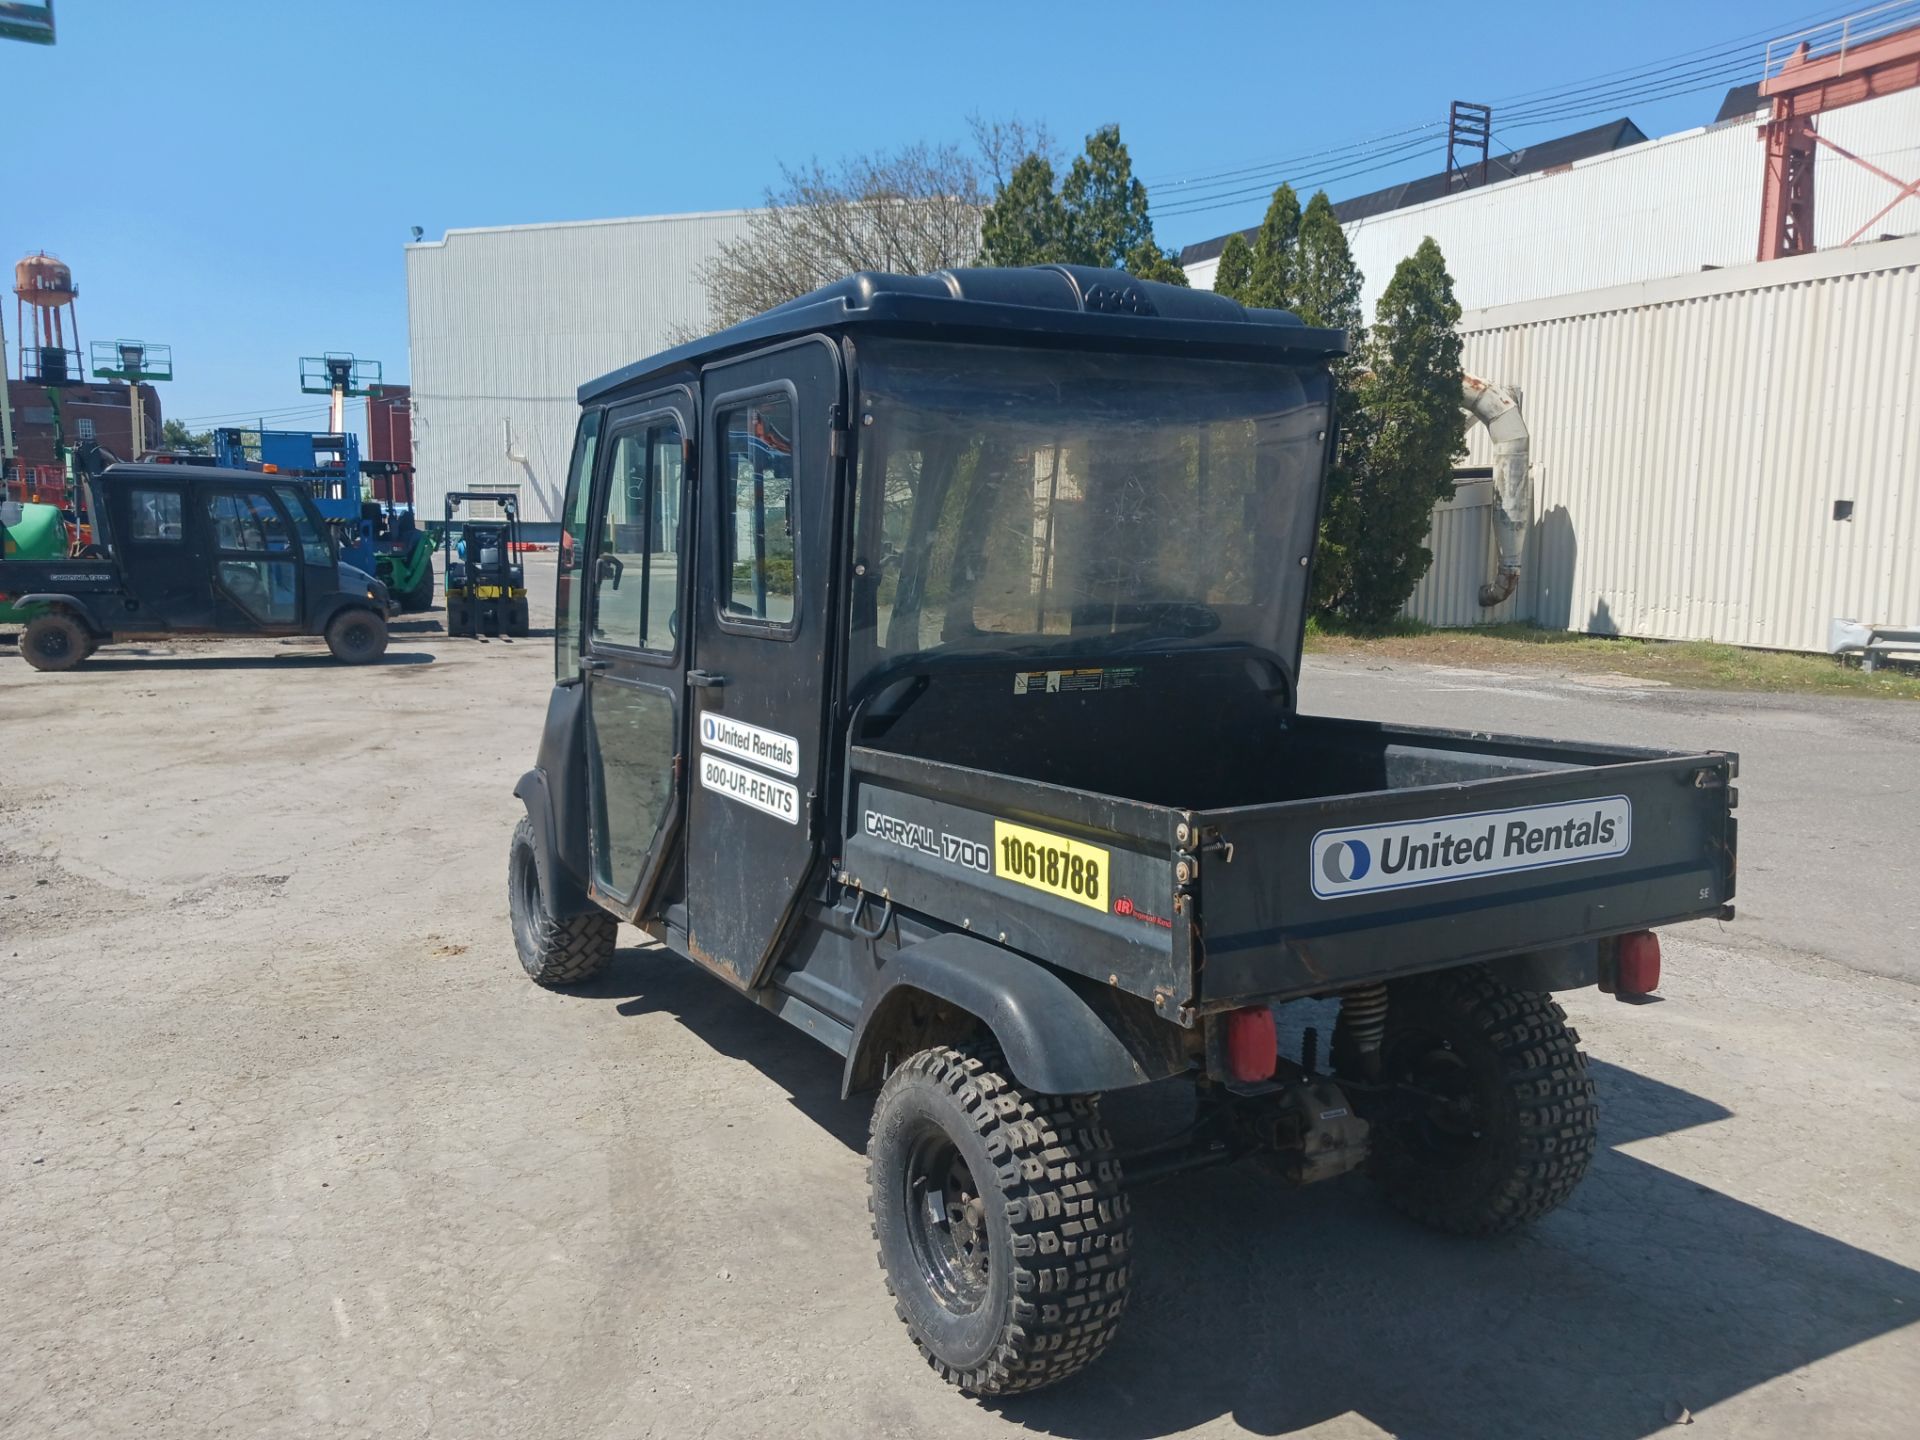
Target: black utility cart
<point x="486" y="584"/>
<point x="928" y="657"/>
<point x="185" y="550"/>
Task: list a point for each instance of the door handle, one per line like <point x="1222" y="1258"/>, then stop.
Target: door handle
<point x="705" y="680"/>
<point x="591" y="664"/>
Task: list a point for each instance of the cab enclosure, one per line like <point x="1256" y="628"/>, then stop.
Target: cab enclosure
<point x="180" y="549"/>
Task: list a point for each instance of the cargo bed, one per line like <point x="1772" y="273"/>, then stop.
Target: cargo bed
<point x="1288" y="856"/>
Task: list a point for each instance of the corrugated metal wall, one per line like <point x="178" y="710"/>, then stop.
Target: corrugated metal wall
<point x="1690" y="438"/>
<point x="504" y="325"/>
<point x="1665" y="207"/>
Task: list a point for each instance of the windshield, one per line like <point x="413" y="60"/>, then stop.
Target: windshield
<point x="1054" y="503"/>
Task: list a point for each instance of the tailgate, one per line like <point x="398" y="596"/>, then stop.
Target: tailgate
<point x="1324" y="893"/>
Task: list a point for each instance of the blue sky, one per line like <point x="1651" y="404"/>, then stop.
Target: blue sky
<point x="238" y="179"/>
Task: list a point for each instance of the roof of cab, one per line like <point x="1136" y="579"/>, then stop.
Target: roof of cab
<point x="199" y="474"/>
<point x="1061" y="302"/>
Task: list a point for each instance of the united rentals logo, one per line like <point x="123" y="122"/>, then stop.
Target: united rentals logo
<point x="1370" y="858"/>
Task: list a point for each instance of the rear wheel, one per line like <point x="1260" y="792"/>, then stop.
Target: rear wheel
<point x="55" y="641"/>
<point x="420" y="597"/>
<point x="1000" y="1220"/>
<point x="1495" y="1122"/>
<point x="357" y="637"/>
<point x="554" y="950"/>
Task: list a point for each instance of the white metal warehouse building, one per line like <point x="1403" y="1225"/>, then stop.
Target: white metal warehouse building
<point x="505" y="323"/>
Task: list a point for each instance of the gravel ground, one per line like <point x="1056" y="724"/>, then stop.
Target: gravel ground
<point x="289" y="1147"/>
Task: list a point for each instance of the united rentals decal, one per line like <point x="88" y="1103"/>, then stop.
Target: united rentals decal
<point x="749" y="742"/>
<point x="750" y="787"/>
<point x="1366" y="859"/>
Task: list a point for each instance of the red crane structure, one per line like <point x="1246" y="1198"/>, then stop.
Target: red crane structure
<point x="1861" y="57"/>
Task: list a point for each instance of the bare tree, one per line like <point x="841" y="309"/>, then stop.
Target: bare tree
<point x="1003" y="144"/>
<point x="911" y="211"/>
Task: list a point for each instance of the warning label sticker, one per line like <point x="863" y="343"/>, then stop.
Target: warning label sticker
<point x="1075" y="682"/>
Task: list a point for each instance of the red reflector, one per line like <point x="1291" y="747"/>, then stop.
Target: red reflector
<point x="1637" y="964"/>
<point x="1253" y="1045"/>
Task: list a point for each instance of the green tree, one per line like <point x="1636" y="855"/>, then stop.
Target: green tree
<point x="1326" y="292"/>
<point x="175" y="436"/>
<point x="1236" y="268"/>
<point x="1149" y="262"/>
<point x="1026" y="224"/>
<point x="1270" y="281"/>
<point x="1106" y="207"/>
<point x="1411" y="431"/>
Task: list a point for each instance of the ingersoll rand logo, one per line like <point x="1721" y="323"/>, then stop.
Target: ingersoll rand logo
<point x="1365" y="859"/>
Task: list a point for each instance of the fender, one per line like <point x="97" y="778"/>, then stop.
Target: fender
<point x="562" y="888"/>
<point x="333" y="604"/>
<point x="1059" y="1037"/>
<point x="80" y="610"/>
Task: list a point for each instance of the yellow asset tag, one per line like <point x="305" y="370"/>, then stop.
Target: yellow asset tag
<point x="1071" y="869"/>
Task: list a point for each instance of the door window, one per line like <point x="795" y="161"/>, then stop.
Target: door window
<point x="153" y="515"/>
<point x="636" y="569"/>
<point x="313" y="543"/>
<point x="632" y="759"/>
<point x="756" y="470"/>
<point x="570" y="611"/>
<point x="265" y="589"/>
<point x="246" y="522"/>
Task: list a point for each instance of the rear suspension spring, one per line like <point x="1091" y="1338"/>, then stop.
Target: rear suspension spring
<point x="1363" y="1015"/>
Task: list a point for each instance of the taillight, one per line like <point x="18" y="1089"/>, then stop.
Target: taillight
<point x="1253" y="1044"/>
<point x="1636" y="964"/>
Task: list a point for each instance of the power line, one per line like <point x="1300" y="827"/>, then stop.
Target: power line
<point x="1688" y="72"/>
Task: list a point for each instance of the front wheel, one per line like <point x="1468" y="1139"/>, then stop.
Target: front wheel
<point x="357" y="637"/>
<point x="55" y="641"/>
<point x="1000" y="1220"/>
<point x="1494" y="1122"/>
<point x="554" y="950"/>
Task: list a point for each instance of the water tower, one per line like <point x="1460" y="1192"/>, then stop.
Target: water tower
<point x="45" y="294"/>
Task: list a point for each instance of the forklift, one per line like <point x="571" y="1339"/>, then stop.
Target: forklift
<point x="486" y="586"/>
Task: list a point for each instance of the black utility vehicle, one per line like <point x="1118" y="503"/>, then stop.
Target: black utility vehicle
<point x="927" y="670"/>
<point x="486" y="584"/>
<point x="182" y="550"/>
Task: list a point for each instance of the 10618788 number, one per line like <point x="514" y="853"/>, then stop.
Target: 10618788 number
<point x="1071" y="869"/>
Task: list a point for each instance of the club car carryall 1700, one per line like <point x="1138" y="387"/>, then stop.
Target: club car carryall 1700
<point x="186" y="550"/>
<point x="928" y="653"/>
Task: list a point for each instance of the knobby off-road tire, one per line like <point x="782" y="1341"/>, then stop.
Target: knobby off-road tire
<point x="1000" y="1221"/>
<point x="1521" y="1132"/>
<point x="555" y="951"/>
<point x="420" y="597"/>
<point x="357" y="637"/>
<point x="55" y="641"/>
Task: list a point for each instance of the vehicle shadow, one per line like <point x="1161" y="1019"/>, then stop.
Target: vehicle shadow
<point x="1287" y="1308"/>
<point x="244" y="662"/>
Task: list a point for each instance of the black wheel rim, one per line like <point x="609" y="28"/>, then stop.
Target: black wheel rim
<point x="54" y="644"/>
<point x="946" y="1222"/>
<point x="359" y="636"/>
<point x="1446" y="1115"/>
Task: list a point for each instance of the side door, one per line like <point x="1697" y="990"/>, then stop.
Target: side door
<point x="760" y="648"/>
<point x="318" y="575"/>
<point x="254" y="560"/>
<point x="157" y="543"/>
<point x="633" y="650"/>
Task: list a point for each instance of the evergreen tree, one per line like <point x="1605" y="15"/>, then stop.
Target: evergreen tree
<point x="1270" y="284"/>
<point x="1326" y="292"/>
<point x="1106" y="208"/>
<point x="1026" y="224"/>
<point x="1411" y="431"/>
<point x="1149" y="262"/>
<point x="1236" y="268"/>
